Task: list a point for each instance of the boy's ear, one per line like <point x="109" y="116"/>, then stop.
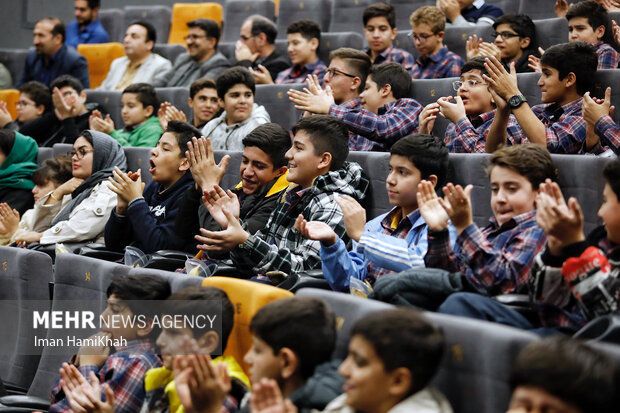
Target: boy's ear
<point x="400" y="382"/>
<point x="394" y="33"/>
<point x="432" y="179"/>
<point x="190" y="101"/>
<point x="83" y="95"/>
<point x="208" y="341"/>
<point x="281" y="170"/>
<point x="570" y="80"/>
<point x="40" y="109"/>
<point x="149" y="110"/>
<point x="184" y="166"/>
<point x="599" y="32"/>
<point x="289" y="363"/>
<point x="355" y="83"/>
<point x="146" y="330"/>
<point x="441" y="35"/>
<point x="314" y="44"/>
<point x="386" y="91"/>
<point x="524" y="42"/>
<point x="326" y="161"/>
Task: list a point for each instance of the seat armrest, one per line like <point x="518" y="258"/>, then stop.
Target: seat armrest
<point x="31" y="402"/>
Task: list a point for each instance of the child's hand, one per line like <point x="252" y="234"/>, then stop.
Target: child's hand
<point x="201" y="385"/>
<point x="29" y="237"/>
<point x="593" y="109"/>
<point x="85" y="397"/>
<point x="504" y="83"/>
<point x="457" y="203"/>
<point x="557" y="218"/>
<point x="124" y="186"/>
<point x="490" y="50"/>
<point x="430" y="207"/>
<point x="5" y="116"/>
<point x="316" y="231"/>
<point x="561" y="8"/>
<point x="224" y="240"/>
<point x="534" y="61"/>
<point x="9" y="219"/>
<point x="427" y="118"/>
<point x="267" y="398"/>
<point x="472" y="46"/>
<point x="63" y="107"/>
<point x="98" y="123"/>
<point x="94" y="355"/>
<point x="262" y="75"/>
<point x="319" y="103"/>
<point x="354" y="216"/>
<point x="216" y="200"/>
<point x="452" y="111"/>
<point x="204" y="170"/>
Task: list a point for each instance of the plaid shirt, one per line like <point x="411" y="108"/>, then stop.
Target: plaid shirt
<point x="298" y="74"/>
<point x="123" y="371"/>
<point x="609" y="132"/>
<point x="497" y="259"/>
<point x="565" y="128"/>
<point x="281" y="247"/>
<point x="394" y="121"/>
<point x="441" y="64"/>
<point x="357" y="142"/>
<point x="608" y="58"/>
<point x="393" y="54"/>
<point x="470" y="134"/>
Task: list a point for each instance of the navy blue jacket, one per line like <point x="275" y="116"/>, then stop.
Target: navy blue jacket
<point x="149" y="223"/>
<point x="66" y="61"/>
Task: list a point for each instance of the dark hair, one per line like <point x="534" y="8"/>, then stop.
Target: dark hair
<point x="139" y="287"/>
<point x="261" y="24"/>
<point x="304" y="325"/>
<point x="307" y="28"/>
<point x="358" y="63"/>
<point x="145" y="93"/>
<point x="597" y="16"/>
<point x="198" y="300"/>
<point x="7" y="140"/>
<point x="392" y="74"/>
<point x="272" y="139"/>
<point x="611" y="173"/>
<point x="57" y="170"/>
<point x="93" y="4"/>
<point x="530" y="160"/>
<point x="184" y="132"/>
<point x="234" y="76"/>
<point x="58" y="27"/>
<point x="522" y="25"/>
<point x="87" y="135"/>
<point x="569" y="370"/>
<point x="199" y="84"/>
<point x="477" y="63"/>
<point x="151" y="33"/>
<point x="209" y="26"/>
<point x="404" y="338"/>
<point x="380" y="10"/>
<point x="327" y="134"/>
<point x="579" y="58"/>
<point x="67" y="80"/>
<point x="39" y="93"/>
<point x="428" y="153"/>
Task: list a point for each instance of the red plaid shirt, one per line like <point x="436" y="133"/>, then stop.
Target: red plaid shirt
<point x="298" y="74"/>
<point x="470" y="134"/>
<point x="441" y="64"/>
<point x="608" y="58"/>
<point x="609" y="132"/>
<point x="393" y="54"/>
<point x="565" y="128"/>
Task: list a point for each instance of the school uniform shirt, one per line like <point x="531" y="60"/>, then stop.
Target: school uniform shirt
<point x="440" y="64"/>
<point x="230" y="137"/>
<point x="469" y="134"/>
<point x="609" y="134"/>
<point x="298" y="74"/>
<point x="92" y="33"/>
<point x="565" y="127"/>
<point x="146" y="72"/>
<point x="608" y="57"/>
<point x="396" y="55"/>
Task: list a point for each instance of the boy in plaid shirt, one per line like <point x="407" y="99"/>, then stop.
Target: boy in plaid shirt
<point x="568" y="72"/>
<point x="318" y="167"/>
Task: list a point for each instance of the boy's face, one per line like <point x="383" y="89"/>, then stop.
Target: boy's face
<point x="73" y="98"/>
<point x="340" y="83"/>
<point x="511" y="194"/>
<point x="173" y="341"/>
<point x="303" y="165"/>
<point x="115" y="312"/>
<point x="39" y="191"/>
<point x="425" y="40"/>
<point x="552" y="88"/>
<point x="166" y="164"/>
<point x="536" y="400"/>
<point x="476" y="99"/>
<point x="402" y="183"/>
<point x="366" y="381"/>
<point x="610" y="214"/>
<point x="133" y="111"/>
<point x="27" y="109"/>
<point x="262" y="361"/>
<point x="256" y="169"/>
<point x="465" y="3"/>
<point x="379" y="34"/>
<point x="237" y="103"/>
<point x="511" y="48"/>
<point x="579" y="29"/>
<point x="301" y="50"/>
<point x="205" y="104"/>
<point x="371" y="96"/>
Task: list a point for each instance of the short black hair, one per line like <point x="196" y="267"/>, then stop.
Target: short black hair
<point x="357" y="62"/>
<point x="94" y="4"/>
<point x="38" y="93"/>
<point x="67" y="80"/>
<point x="611" y="173"/>
<point x="522" y="25"/>
<point x="7" y="140"/>
<point x="597" y="16"/>
<point x="381" y="9"/>
<point x="477" y="63"/>
<point x="327" y="134"/>
<point x="209" y="26"/>
<point x="569" y="370"/>
<point x="392" y="74"/>
<point x="272" y="139"/>
<point x="151" y="33"/>
<point x="199" y="84"/>
<point x="261" y="24"/>
<point x="145" y="93"/>
<point x="57" y="170"/>
<point x="307" y="28"/>
<point x="234" y="76"/>
<point x="139" y="287"/>
<point x="579" y="58"/>
<point x="197" y="300"/>
<point x="305" y="325"/>
<point x="184" y="132"/>
<point x="428" y="153"/>
<point x="530" y="160"/>
<point x="404" y="338"/>
<point x="58" y="27"/>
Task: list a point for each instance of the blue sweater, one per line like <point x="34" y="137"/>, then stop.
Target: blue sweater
<point x="93" y="33"/>
<point x="149" y="223"/>
<point x="66" y="61"/>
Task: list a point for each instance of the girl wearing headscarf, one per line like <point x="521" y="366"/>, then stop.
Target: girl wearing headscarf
<point x="82" y="205"/>
<point x="18" y="161"/>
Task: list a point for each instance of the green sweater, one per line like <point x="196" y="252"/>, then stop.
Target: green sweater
<point x="147" y="134"/>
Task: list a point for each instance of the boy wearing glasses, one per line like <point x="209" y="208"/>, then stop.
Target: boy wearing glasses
<point x="34" y="101"/>
<point x="472" y="113"/>
<point x="202" y="58"/>
<point x="515" y="37"/>
<point x="427" y="32"/>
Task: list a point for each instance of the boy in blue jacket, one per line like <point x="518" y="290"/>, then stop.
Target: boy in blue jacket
<point x="394" y="241"/>
<point x="146" y="219"/>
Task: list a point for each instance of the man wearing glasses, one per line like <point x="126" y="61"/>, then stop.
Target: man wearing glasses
<point x="202" y="58"/>
<point x="427" y="32"/>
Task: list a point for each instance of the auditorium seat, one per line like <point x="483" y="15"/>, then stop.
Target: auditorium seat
<point x="537" y="9"/>
<point x="236" y="11"/>
<point x="182" y="13"/>
<point x="99" y="57"/>
<point x="158" y="16"/>
<point x="347" y="15"/>
<point x="14" y="60"/>
<point x="112" y="21"/>
<point x="290" y="11"/>
<point x="169" y="50"/>
<point x="281" y="110"/>
<point x="110" y="100"/>
<point x="552" y="31"/>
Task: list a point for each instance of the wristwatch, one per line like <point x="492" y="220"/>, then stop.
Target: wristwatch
<point x="516" y="100"/>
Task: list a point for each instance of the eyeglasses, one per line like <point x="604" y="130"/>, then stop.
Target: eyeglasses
<point x="332" y="71"/>
<point x="80" y="153"/>
<point x="194" y="36"/>
<point x="457" y="84"/>
<point x="505" y="35"/>
<point x="24" y="103"/>
<point x="420" y="37"/>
